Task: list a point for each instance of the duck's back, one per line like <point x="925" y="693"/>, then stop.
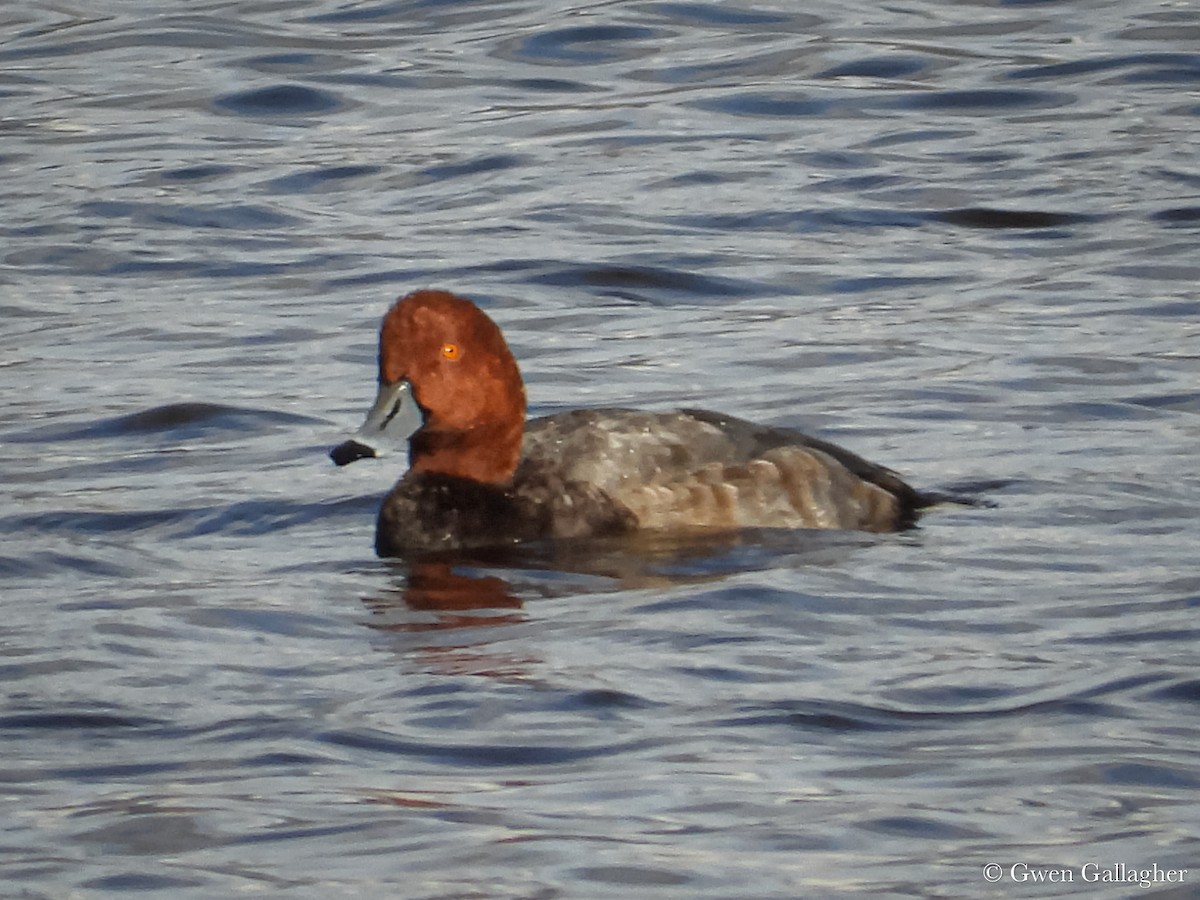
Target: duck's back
<point x="692" y="468"/>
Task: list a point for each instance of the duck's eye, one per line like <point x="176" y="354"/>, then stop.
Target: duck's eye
<point x="450" y="351"/>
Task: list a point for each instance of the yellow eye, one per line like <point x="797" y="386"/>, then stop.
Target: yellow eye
<point x="450" y="351"/>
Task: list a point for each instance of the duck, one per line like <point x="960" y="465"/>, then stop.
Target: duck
<point x="479" y="475"/>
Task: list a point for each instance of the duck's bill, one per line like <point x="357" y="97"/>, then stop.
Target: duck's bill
<point x="390" y="423"/>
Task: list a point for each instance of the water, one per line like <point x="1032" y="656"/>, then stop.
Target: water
<point x="957" y="238"/>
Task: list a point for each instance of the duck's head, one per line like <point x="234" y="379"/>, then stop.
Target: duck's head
<point x="449" y="385"/>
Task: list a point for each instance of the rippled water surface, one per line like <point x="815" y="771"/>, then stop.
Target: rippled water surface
<point x="959" y="238"/>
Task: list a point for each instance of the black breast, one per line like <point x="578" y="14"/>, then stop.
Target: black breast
<point x="431" y="511"/>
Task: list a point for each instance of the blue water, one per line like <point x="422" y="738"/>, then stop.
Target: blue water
<point x="958" y="238"/>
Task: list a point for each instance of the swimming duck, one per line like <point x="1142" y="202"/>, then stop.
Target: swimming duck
<point x="480" y="475"/>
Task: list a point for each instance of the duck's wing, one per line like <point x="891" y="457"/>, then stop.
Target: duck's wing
<point x="754" y="440"/>
<point x="693" y="468"/>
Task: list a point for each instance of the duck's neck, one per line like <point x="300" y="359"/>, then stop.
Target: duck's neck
<point x="487" y="453"/>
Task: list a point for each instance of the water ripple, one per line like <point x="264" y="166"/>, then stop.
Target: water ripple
<point x="481" y="755"/>
<point x="584" y="45"/>
<point x="281" y="100"/>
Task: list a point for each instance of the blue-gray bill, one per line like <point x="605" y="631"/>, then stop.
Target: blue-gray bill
<point x="392" y="420"/>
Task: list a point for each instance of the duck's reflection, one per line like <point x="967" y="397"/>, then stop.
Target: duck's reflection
<point x="454" y="588"/>
<point x="457" y="600"/>
<point x="451" y="613"/>
<point x="437" y="615"/>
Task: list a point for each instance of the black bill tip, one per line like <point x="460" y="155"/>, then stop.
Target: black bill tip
<point x="350" y="451"/>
